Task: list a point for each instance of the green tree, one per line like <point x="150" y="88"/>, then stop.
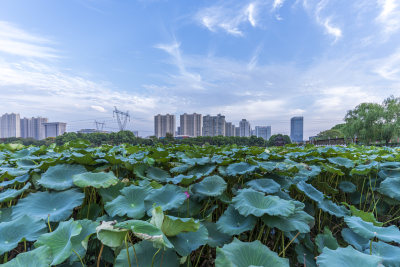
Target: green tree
<point x="278" y="138"/>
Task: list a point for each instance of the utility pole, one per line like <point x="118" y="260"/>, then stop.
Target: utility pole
<point x="99" y="125"/>
<point x="122" y="118"/>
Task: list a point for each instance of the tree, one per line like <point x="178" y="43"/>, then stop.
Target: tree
<point x="278" y="138"/>
<point x="391" y="118"/>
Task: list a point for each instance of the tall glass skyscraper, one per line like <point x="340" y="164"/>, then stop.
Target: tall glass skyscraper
<point x="296" y="129"/>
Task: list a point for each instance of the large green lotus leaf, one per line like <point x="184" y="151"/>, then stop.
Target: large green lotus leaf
<point x="145" y="251"/>
<point x="198" y="161"/>
<point x="211" y="186"/>
<point x="109" y="235"/>
<point x="358" y="242"/>
<point x="185" y="243"/>
<point x="389" y="253"/>
<point x="59" y="177"/>
<point x="232" y="223"/>
<point x="265" y="185"/>
<point x="59" y="241"/>
<point x="80" y="242"/>
<point x="364" y="169"/>
<point x="157" y="174"/>
<point x="256" y="203"/>
<point x="183" y="179"/>
<point x="245" y="254"/>
<point x="19" y="179"/>
<point x="391" y="187"/>
<point x="347" y="257"/>
<point x="310" y="191"/>
<point x="240" y="168"/>
<point x="216" y="238"/>
<point x="40" y="257"/>
<point x="369" y="230"/>
<point x="130" y="203"/>
<point x="297" y="221"/>
<point x="202" y="170"/>
<point x="15" y="231"/>
<point x="329" y="168"/>
<point x="95" y="179"/>
<point x="85" y="159"/>
<point x="347" y="187"/>
<point x="5" y="214"/>
<point x="168" y="197"/>
<point x="326" y="240"/>
<point x="10" y="194"/>
<point x="57" y="205"/>
<point x="366" y="216"/>
<point x="27" y="164"/>
<point x="342" y="162"/>
<point x="172" y="226"/>
<point x="112" y="192"/>
<point x="180" y="168"/>
<point x="333" y="209"/>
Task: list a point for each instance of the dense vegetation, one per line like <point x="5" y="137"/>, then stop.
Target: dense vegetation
<point x="75" y="205"/>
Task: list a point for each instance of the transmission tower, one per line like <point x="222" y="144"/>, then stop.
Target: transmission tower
<point x="122" y="118"/>
<point x="99" y="125"/>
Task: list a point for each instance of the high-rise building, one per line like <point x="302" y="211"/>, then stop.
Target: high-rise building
<point x="237" y="131"/>
<point x="190" y="124"/>
<point x="54" y="129"/>
<point x="214" y="125"/>
<point x="10" y="125"/>
<point x="230" y="129"/>
<point x="164" y="124"/>
<point x="296" y="129"/>
<point x="33" y="128"/>
<point x="263" y="131"/>
<point x="245" y="129"/>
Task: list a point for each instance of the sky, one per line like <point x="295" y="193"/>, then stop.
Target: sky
<point x="262" y="60"/>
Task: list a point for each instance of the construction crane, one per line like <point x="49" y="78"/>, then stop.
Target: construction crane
<point x="122" y="118"/>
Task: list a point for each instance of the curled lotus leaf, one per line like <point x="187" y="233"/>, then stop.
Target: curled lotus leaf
<point x="244" y="254"/>
<point x="347" y="187"/>
<point x="202" y="170"/>
<point x="342" y="162"/>
<point x="130" y="203"/>
<point x="358" y="242"/>
<point x="256" y="203"/>
<point x="233" y="223"/>
<point x="60" y="240"/>
<point x="299" y="221"/>
<point x="326" y="240"/>
<point x="109" y="235"/>
<point x="347" y="257"/>
<point x="310" y="191"/>
<point x="112" y="192"/>
<point x="172" y="226"/>
<point x="10" y="194"/>
<point x="15" y="231"/>
<point x="240" y="168"/>
<point x="144" y="252"/>
<point x="390" y="254"/>
<point x="168" y="197"/>
<point x="95" y="179"/>
<point x="366" y="216"/>
<point x="369" y="230"/>
<point x="182" y="179"/>
<point x="157" y="174"/>
<point x="333" y="209"/>
<point x="80" y="242"/>
<point x="57" y="205"/>
<point x="211" y="186"/>
<point x="216" y="238"/>
<point x="20" y="179"/>
<point x="391" y="187"/>
<point x="185" y="243"/>
<point x="264" y="185"/>
<point x="39" y="257"/>
<point x="59" y="177"/>
<point x="329" y="168"/>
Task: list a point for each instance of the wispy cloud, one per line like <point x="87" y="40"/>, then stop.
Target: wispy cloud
<point x="389" y="15"/>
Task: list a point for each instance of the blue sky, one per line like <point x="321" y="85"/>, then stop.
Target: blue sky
<point x="263" y="60"/>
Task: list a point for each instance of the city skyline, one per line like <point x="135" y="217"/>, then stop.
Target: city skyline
<point x="262" y="60"/>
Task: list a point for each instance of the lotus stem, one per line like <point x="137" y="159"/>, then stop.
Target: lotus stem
<point x="198" y="259"/>
<point x="99" y="257"/>
<point x="261" y="232"/>
<point x="291" y="241"/>
<point x="48" y="222"/>
<point x="283" y="244"/>
<point x="5" y="257"/>
<point x="154" y="257"/>
<point x="79" y="257"/>
<point x="127" y="251"/>
<point x="370" y="247"/>
<point x="134" y="250"/>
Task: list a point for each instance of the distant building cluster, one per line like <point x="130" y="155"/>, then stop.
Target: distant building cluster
<point x="193" y="125"/>
<point x="11" y="125"/>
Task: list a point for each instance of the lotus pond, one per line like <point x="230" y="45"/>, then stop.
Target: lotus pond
<point x="75" y="205"/>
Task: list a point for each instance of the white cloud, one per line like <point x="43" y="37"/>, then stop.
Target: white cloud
<point x="332" y="30"/>
<point x="389" y="16"/>
<point x="389" y="68"/>
<point x="277" y="4"/>
<point x="251" y="10"/>
<point x="98" y="108"/>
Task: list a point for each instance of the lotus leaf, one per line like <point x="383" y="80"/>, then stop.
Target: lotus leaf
<point x="305" y="256"/>
<point x="244" y="254"/>
<point x="366" y="216"/>
<point x="130" y="203"/>
<point x="198" y="161"/>
<point x="185" y="243"/>
<point x="10" y="194"/>
<point x="157" y="174"/>
<point x="15" y="231"/>
<point x="347" y="187"/>
<point x="19" y="179"/>
<point x="202" y="170"/>
<point x="59" y="177"/>
<point x="369" y="230"/>
<point x="183" y="179"/>
<point x="40" y="257"/>
<point x="95" y="179"/>
<point x="168" y="197"/>
<point x="265" y="185"/>
<point x="326" y="240"/>
<point x="358" y="242"/>
<point x="60" y="240"/>
<point x="5" y="215"/>
<point x="256" y="203"/>
<point x="331" y="169"/>
<point x="390" y="254"/>
<point x="180" y="168"/>
<point x="211" y="186"/>
<point x="342" y="162"/>
<point x="332" y="208"/>
<point x="57" y="205"/>
<point x="216" y="238"/>
<point x="145" y="251"/>
<point x="347" y="257"/>
<point x="172" y="226"/>
<point x="109" y="235"/>
<point x="80" y="242"/>
<point x="391" y="187"/>
<point x="232" y="223"/>
<point x="112" y="192"/>
<point x="240" y="168"/>
<point x="298" y="221"/>
<point x="310" y="191"/>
